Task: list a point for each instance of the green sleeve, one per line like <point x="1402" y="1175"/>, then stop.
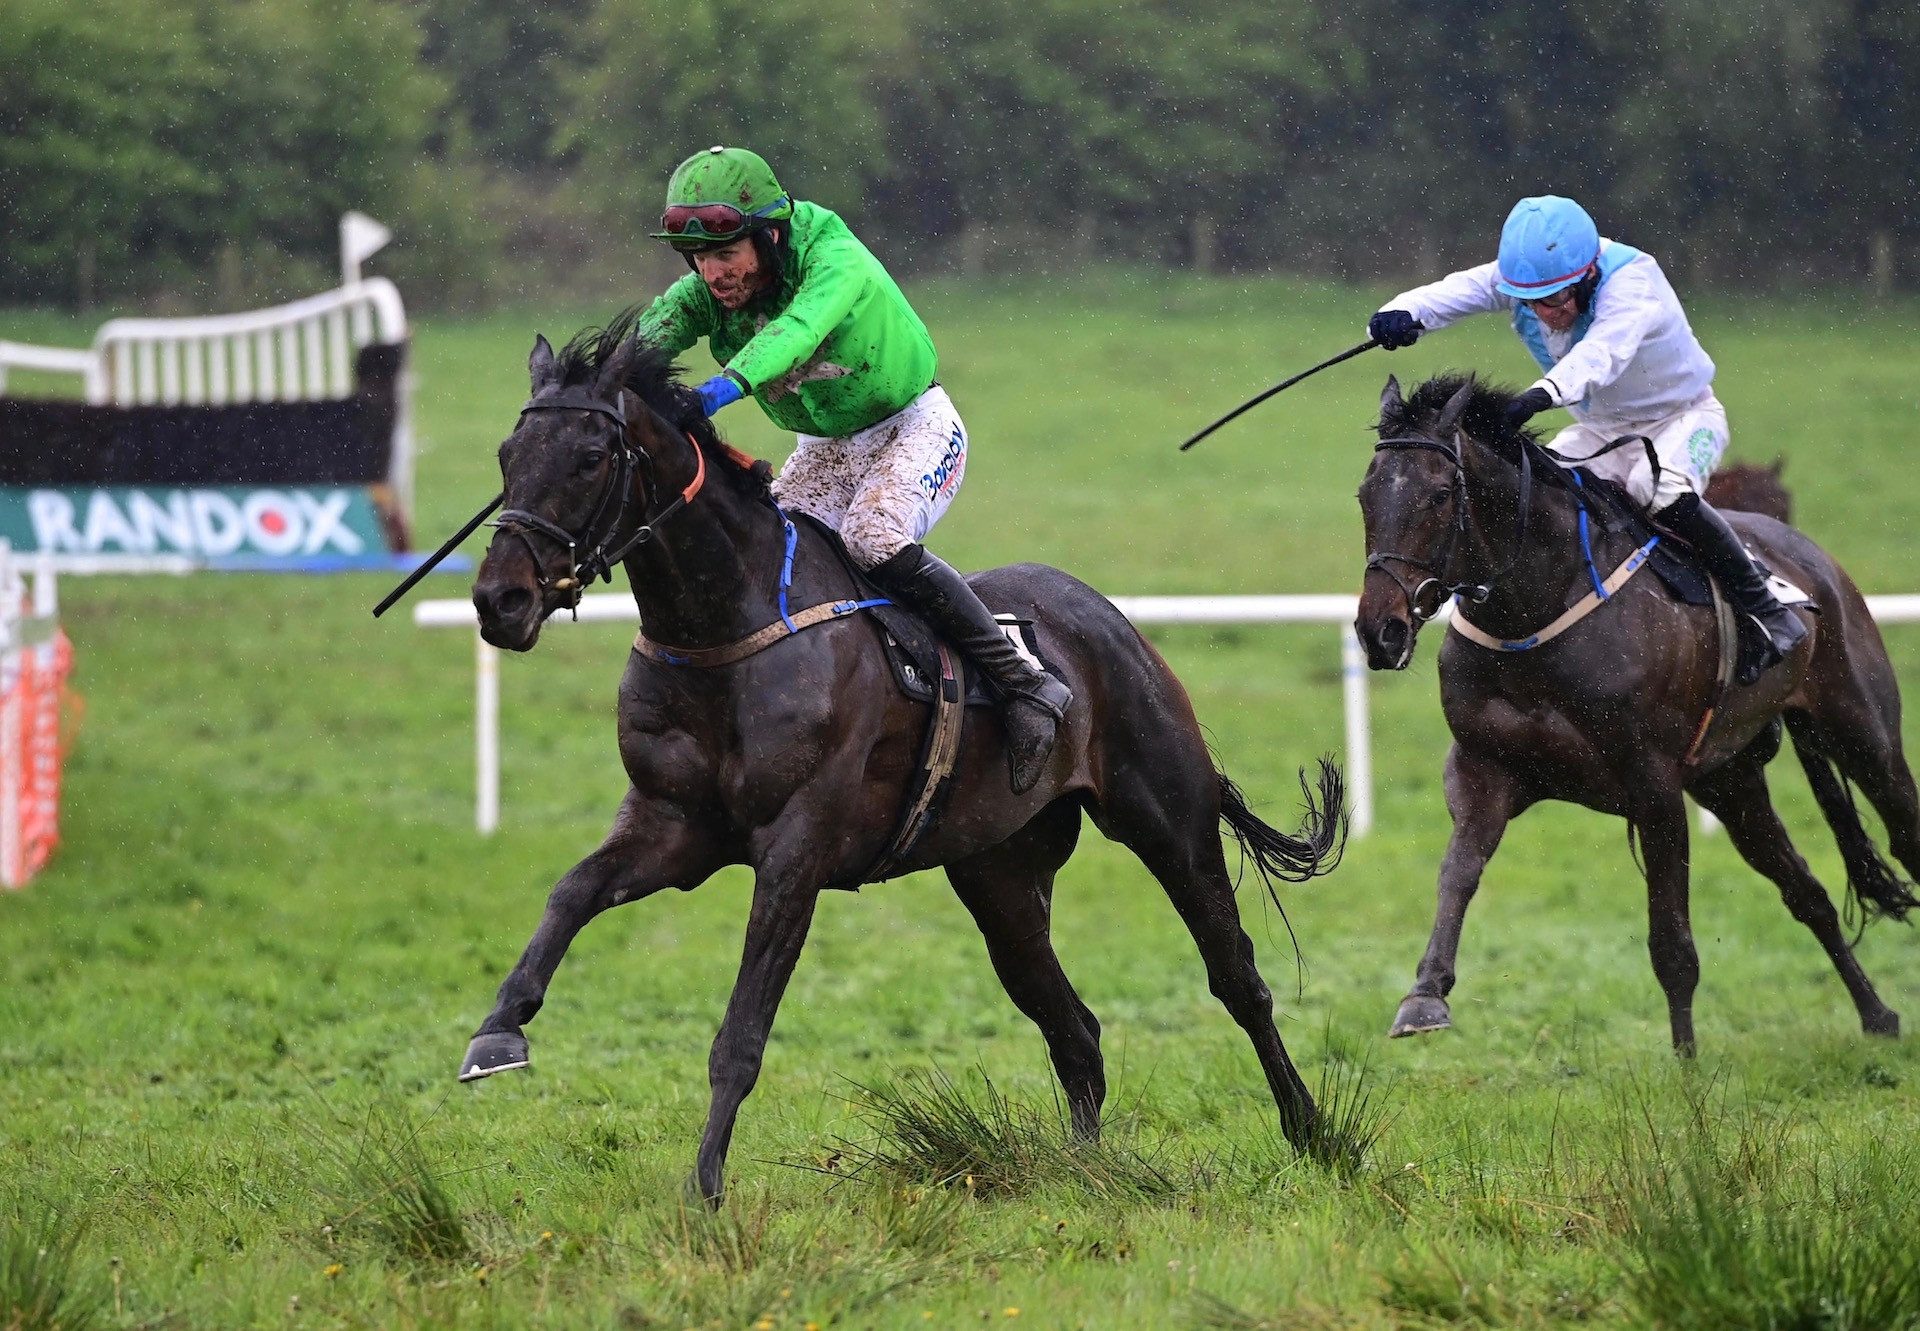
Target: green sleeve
<point x="681" y="316"/>
<point x="835" y="276"/>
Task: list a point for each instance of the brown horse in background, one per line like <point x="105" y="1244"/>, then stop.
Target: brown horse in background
<point x="1748" y="487"/>
<point x="1609" y="714"/>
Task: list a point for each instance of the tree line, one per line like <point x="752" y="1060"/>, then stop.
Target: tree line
<point x="208" y="146"/>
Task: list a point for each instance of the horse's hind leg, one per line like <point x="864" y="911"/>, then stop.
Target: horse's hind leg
<point x="1854" y="718"/>
<point x="1871" y="880"/>
<point x="1737" y="795"/>
<point x="1168" y="813"/>
<point x="649" y="848"/>
<point x="1481" y="799"/>
<point x="1009" y="891"/>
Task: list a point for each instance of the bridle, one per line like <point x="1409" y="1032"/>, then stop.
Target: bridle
<point x="1436" y="569"/>
<point x="630" y="459"/>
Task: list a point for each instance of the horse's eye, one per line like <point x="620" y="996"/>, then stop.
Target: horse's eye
<point x="592" y="461"/>
<point x="1438" y="498"/>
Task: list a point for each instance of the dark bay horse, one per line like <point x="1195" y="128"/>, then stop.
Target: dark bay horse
<point x="1752" y="488"/>
<point x="1606" y="714"/>
<point x="793" y="759"/>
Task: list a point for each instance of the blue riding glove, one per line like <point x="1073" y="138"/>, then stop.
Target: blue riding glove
<point x="1393" y="329"/>
<point x="1528" y="405"/>
<point x="722" y="390"/>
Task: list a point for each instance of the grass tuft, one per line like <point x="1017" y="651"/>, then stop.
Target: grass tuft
<point x="1352" y="1117"/>
<point x="741" y="1265"/>
<point x="1734" y="1223"/>
<point x="930" y="1130"/>
<point x="41" y="1285"/>
<point x="1210" y="1312"/>
<point x="382" y="1187"/>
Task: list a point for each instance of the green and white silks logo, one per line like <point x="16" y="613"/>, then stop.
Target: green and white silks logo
<point x="1703" y="450"/>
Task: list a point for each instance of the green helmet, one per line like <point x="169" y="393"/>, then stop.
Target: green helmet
<point x="717" y="196"/>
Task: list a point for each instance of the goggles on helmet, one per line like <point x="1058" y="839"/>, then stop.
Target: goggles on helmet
<point x="695" y="225"/>
<point x="1563" y="297"/>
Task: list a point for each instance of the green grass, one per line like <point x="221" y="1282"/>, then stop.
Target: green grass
<point x="231" y="1010"/>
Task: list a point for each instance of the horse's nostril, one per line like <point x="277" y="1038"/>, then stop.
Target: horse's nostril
<point x="1393" y="634"/>
<point x="502" y="603"/>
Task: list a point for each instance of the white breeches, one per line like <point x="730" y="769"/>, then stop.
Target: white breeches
<point x="884" y="487"/>
<point x="1688" y="443"/>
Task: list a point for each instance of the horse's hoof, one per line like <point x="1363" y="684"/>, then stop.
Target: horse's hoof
<point x="496" y="1051"/>
<point x="1418" y="1015"/>
<point x="1885" y="1024"/>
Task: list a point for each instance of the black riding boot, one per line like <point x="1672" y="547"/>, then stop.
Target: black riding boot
<point x="1032" y="702"/>
<point x="1780" y="630"/>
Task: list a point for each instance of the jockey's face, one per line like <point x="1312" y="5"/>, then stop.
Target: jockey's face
<point x="1559" y="310"/>
<point x="733" y="273"/>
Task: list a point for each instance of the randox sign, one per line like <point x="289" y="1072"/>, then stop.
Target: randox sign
<point x="290" y="523"/>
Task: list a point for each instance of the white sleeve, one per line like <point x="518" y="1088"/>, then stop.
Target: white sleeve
<point x="1625" y="311"/>
<point x="1454" y="297"/>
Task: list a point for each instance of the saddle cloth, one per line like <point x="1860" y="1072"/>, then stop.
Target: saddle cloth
<point x="912" y="648"/>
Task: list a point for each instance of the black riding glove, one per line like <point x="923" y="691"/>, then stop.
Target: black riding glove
<point x="1394" y="329"/>
<point x="1528" y="405"/>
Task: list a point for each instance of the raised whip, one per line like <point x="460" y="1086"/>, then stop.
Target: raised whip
<point x="1251" y="403"/>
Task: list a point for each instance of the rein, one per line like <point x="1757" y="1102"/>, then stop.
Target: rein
<point x="629" y="459"/>
<point x="758" y="641"/>
<point x="1436" y="569"/>
<point x="611" y="510"/>
<point x="1477" y="593"/>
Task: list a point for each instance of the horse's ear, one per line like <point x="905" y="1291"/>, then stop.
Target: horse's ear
<point x="614" y="373"/>
<point x="540" y="365"/>
<point x="1456" y="408"/>
<point x="1390" y="399"/>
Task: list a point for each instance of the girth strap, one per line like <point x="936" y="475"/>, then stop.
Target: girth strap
<point x="939" y="756"/>
<point x="1573" y="614"/>
<point x="1727" y="632"/>
<point x="752" y="644"/>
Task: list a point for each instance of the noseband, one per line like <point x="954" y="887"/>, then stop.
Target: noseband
<point x="1436" y="569"/>
<point x="608" y="513"/>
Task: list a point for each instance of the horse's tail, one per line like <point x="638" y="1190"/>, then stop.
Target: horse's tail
<point x="1874" y="889"/>
<point x="1315" y="850"/>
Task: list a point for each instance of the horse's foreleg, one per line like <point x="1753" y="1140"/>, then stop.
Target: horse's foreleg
<point x="776" y="931"/>
<point x="1660" y="816"/>
<point x="1481" y="799"/>
<point x="650" y="848"/>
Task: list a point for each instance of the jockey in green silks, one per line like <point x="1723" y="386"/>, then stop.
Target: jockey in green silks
<point x="806" y="322"/>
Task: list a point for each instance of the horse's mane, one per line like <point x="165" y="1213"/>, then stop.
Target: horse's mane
<point x="654" y="378"/>
<point x="1484" y="420"/>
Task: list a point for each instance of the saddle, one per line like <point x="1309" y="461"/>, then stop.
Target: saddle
<point x="1673" y="560"/>
<point x="927" y="670"/>
<point x="1688" y="582"/>
<point x="912" y="648"/>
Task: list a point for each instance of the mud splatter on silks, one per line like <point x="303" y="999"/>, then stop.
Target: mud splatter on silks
<point x="887" y="485"/>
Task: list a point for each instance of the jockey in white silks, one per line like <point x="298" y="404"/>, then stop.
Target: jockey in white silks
<point x="1616" y="351"/>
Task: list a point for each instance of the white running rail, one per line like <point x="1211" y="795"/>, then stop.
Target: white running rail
<point x="1309" y="609"/>
<point x="614" y="608"/>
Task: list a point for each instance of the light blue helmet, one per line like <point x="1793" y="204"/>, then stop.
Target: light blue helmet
<point x="1547" y="243"/>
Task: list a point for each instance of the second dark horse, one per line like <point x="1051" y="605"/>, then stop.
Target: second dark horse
<point x="793" y="760"/>
<point x="1610" y="714"/>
